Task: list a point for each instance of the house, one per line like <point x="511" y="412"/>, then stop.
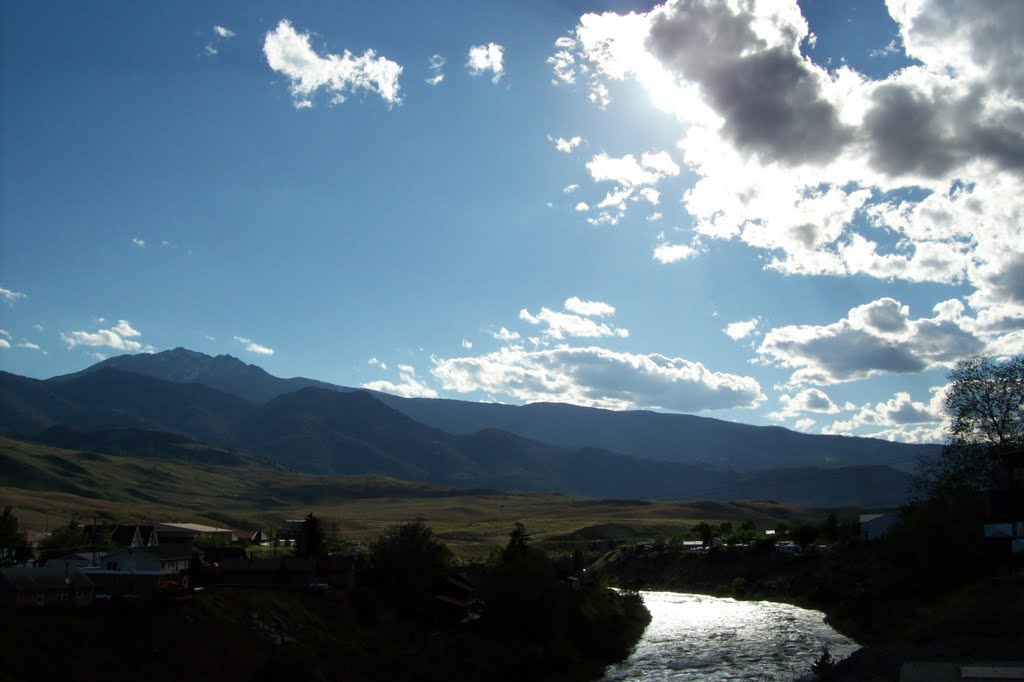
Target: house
<point x="142" y="571"/>
<point x="38" y="586"/>
<point x="128" y="535"/>
<point x="195" y="532"/>
<point x="83" y="559"/>
<point x="874" y="526"/>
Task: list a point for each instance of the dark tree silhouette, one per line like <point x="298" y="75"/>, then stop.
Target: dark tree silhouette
<point x="985" y="404"/>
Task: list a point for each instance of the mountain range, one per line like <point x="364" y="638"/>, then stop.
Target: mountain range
<point x="318" y="427"/>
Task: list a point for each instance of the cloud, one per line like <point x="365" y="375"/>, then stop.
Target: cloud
<point x="4" y="333"/>
<point x="566" y="146"/>
<point x="598" y="377"/>
<point x="408" y="387"/>
<point x="504" y="334"/>
<point x="484" y="58"/>
<point x="808" y="400"/>
<point x="588" y="308"/>
<point x="141" y="243"/>
<point x="436" y="68"/>
<point x="467" y="344"/>
<point x="917" y="175"/>
<point x="741" y="330"/>
<point x="223" y="32"/>
<point x="4" y="343"/>
<point x="121" y="336"/>
<point x="28" y="345"/>
<point x="876" y="338"/>
<point x="562" y="325"/>
<point x="904" y="419"/>
<point x="10" y="296"/>
<point x="253" y="347"/>
<point x="290" y="54"/>
<point x="628" y="172"/>
<point x="804" y="424"/>
<point x="376" y="363"/>
<point x="582" y="207"/>
<point x="672" y="253"/>
<point x="569" y="189"/>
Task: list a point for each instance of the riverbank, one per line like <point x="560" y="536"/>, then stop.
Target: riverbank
<point x="979" y="620"/>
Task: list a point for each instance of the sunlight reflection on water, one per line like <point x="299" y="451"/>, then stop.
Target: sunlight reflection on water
<point x="694" y="637"/>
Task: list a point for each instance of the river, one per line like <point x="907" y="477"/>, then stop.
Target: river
<point x="694" y="637"/>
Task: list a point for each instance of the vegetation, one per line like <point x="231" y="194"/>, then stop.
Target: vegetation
<point x="14" y="546"/>
<point x="985" y="404"/>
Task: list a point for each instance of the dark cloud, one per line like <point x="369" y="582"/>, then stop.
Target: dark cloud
<point x="770" y="97"/>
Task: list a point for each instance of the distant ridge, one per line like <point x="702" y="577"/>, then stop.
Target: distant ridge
<point x="224" y="372"/>
<point x="330" y="432"/>
<point x="652" y="435"/>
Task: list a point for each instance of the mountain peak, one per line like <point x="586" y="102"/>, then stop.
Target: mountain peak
<point x="223" y="372"/>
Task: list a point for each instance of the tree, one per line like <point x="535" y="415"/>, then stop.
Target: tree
<point x="805" y="535"/>
<point x="311" y="543"/>
<point x="14" y="547"/>
<point x="407" y="562"/>
<point x="985" y="405"/>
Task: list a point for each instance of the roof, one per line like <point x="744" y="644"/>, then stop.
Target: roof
<point x="165" y="552"/>
<point x="49" y="577"/>
<point x="193" y="527"/>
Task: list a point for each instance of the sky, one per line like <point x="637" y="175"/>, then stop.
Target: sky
<point x="789" y="213"/>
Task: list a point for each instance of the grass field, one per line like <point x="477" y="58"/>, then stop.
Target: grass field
<point x="47" y="486"/>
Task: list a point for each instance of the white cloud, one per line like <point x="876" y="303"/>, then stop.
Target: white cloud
<point x="903" y="419"/>
<point x="566" y="146"/>
<point x="598" y="377"/>
<point x="484" y="58"/>
<point x="4" y="333"/>
<point x="120" y="337"/>
<point x="504" y="334"/>
<point x="741" y="330"/>
<point x="804" y="424"/>
<point x="582" y="207"/>
<point x="223" y="32"/>
<point x="654" y="217"/>
<point x="628" y="172"/>
<point x="673" y="253"/>
<point x="569" y="189"/>
<point x="28" y="345"/>
<point x="808" y="400"/>
<point x="10" y="296"/>
<point x="376" y="363"/>
<point x="918" y="175"/>
<point x="561" y="325"/>
<point x="563" y="63"/>
<point x="467" y="344"/>
<point x="253" y="347"/>
<point x="436" y="68"/>
<point x="38" y="328"/>
<point x="290" y="54"/>
<point x="876" y="338"/>
<point x="4" y="343"/>
<point x="409" y="385"/>
<point x="588" y="308"/>
<point x="141" y="243"/>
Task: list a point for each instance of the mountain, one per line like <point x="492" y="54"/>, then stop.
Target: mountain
<point x="223" y="372"/>
<point x="656" y="435"/>
<point x="328" y="432"/>
<point x="651" y="435"/>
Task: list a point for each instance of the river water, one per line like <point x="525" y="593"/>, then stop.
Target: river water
<point x="693" y="637"/>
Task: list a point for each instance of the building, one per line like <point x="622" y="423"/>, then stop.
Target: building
<point x="40" y="586"/>
<point x="142" y="571"/>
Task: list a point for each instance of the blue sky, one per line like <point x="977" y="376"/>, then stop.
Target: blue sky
<point x="795" y="214"/>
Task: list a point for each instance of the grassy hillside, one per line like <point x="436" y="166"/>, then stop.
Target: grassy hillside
<point x="47" y="485"/>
